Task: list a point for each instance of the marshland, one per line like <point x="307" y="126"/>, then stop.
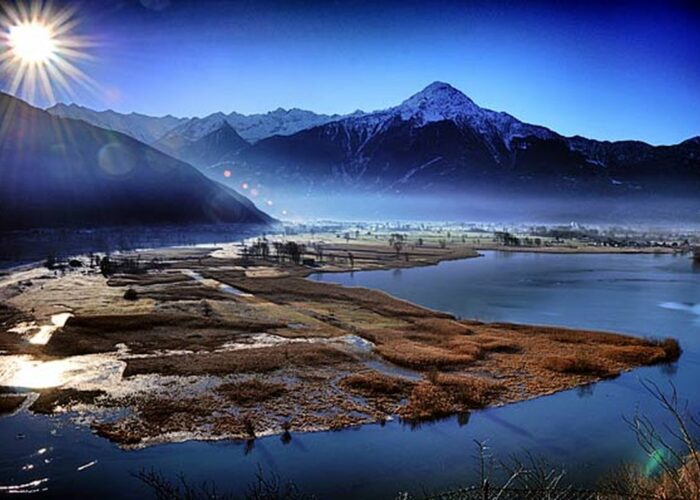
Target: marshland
<point x="375" y="334"/>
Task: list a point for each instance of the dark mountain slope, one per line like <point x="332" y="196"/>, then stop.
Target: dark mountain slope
<point x="218" y="146"/>
<point x="63" y="172"/>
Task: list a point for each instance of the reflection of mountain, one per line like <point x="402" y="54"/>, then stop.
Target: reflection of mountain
<point x="440" y="140"/>
<point x="56" y="172"/>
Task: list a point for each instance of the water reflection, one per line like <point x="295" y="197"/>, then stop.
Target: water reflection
<point x="44" y="332"/>
<point x="83" y="372"/>
<point x="585" y="391"/>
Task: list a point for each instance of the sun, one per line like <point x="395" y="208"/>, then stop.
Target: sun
<point x="41" y="50"/>
<point x="32" y="43"/>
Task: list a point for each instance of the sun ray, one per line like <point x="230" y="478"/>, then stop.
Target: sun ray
<point x="41" y="51"/>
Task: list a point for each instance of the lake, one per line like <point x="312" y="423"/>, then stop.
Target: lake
<point x="582" y="429"/>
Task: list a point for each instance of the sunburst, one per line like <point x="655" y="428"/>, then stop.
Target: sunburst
<point x="41" y="52"/>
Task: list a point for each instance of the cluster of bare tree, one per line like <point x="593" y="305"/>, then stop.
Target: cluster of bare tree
<point x="283" y="251"/>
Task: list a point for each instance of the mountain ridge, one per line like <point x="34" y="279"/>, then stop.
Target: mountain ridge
<point x="439" y="137"/>
<point x="62" y="172"/>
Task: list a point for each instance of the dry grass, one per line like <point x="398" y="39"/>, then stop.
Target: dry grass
<point x="671" y="347"/>
<point x="375" y="384"/>
<point x="636" y="355"/>
<point x="445" y="394"/>
<point x="686" y="484"/>
<point x="111" y="323"/>
<point x="88" y="334"/>
<point x="259" y="360"/>
<point x="10" y="402"/>
<point x="251" y="391"/>
<point x="499" y="344"/>
<point x="442" y="327"/>
<point x="161" y="411"/>
<point x="472" y="392"/>
<point x="423" y="356"/>
<point x="428" y="402"/>
<point x="578" y="364"/>
<point x="632" y="481"/>
<point x="288" y="290"/>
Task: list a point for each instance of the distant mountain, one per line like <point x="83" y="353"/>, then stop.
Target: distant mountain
<point x="65" y="172"/>
<point x="216" y="147"/>
<point x="278" y="122"/>
<point x="144" y="128"/>
<point x="251" y="128"/>
<point x="188" y="133"/>
<point x="440" y="141"/>
<point x="150" y="129"/>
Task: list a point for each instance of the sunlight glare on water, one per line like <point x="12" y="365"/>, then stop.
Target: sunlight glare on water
<point x="84" y="372"/>
<point x="46" y="331"/>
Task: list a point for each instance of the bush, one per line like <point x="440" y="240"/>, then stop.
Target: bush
<point x="131" y="294"/>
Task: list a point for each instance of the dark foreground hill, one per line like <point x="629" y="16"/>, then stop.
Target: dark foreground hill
<point x="64" y="172"/>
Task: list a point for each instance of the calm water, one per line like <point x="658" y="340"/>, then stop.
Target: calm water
<point x="580" y="429"/>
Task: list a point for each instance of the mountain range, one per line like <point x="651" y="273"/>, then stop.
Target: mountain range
<point x="144" y="128"/>
<point x="437" y="141"/>
<point x="151" y="129"/>
<point x="65" y="172"/>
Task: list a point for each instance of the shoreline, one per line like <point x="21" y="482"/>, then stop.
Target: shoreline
<point x="460" y="365"/>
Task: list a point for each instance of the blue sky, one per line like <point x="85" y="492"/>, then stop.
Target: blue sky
<point x="612" y="70"/>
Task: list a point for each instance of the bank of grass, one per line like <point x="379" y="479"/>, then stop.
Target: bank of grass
<point x="51" y="399"/>
<point x="147" y="332"/>
<point x="10" y="402"/>
<point x="251" y="391"/>
<point x="255" y="361"/>
<point x="603" y="362"/>
<point x="444" y="394"/>
<point x="374" y="384"/>
<point x="578" y="364"/>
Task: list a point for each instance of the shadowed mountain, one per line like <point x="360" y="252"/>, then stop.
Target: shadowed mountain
<point x="64" y="172"/>
<point x="144" y="128"/>
<point x="439" y="140"/>
<point x="217" y="146"/>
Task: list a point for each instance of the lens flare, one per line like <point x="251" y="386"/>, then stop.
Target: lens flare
<point x="40" y="51"/>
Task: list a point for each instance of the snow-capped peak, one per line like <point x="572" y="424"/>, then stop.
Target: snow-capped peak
<point x="199" y="127"/>
<point x="438" y="101"/>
